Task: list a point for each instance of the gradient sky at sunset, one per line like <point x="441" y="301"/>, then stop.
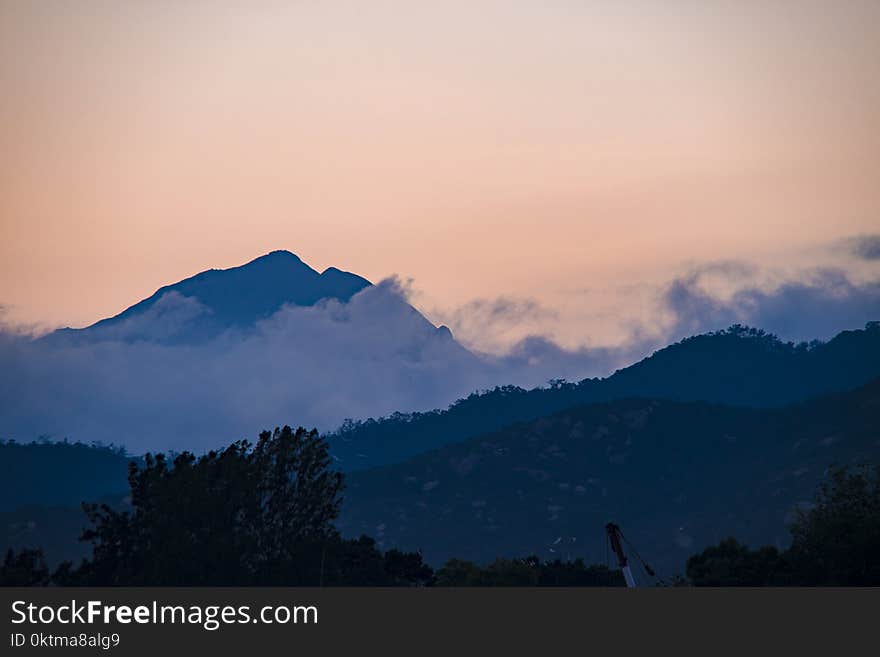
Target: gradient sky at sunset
<point x="578" y="154"/>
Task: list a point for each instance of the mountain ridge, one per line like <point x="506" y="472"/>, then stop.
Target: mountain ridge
<point x="738" y="366"/>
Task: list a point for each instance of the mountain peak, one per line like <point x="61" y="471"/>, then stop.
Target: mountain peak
<point x="241" y="296"/>
<point x="277" y="255"/>
<point x="280" y="258"/>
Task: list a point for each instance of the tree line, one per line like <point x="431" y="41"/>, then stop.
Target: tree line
<point x="262" y="514"/>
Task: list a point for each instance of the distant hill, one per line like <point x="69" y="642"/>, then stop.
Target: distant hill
<point x="738" y="366"/>
<point x="55" y="529"/>
<point x="42" y="486"/>
<point x="237" y="297"/>
<point x="676" y="476"/>
<point x="59" y="473"/>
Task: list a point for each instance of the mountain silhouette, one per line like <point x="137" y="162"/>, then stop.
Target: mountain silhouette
<point x="237" y="297"/>
<point x="737" y="366"/>
<point x="676" y="475"/>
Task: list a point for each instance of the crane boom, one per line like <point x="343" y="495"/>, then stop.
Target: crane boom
<point x="617" y="547"/>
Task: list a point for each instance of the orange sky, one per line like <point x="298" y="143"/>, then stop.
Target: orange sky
<point x="570" y="152"/>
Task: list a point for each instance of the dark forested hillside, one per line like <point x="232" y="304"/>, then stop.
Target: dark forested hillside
<point x="44" y="473"/>
<point x="676" y="476"/>
<point x="42" y="485"/>
<point x="738" y="366"/>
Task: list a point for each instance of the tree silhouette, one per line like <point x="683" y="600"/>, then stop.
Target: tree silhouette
<point x="239" y="516"/>
<point x="835" y="542"/>
<point x="253" y="515"/>
<point x="732" y="564"/>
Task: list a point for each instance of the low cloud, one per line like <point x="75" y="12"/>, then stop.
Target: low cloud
<point x="137" y="385"/>
<point x="536" y="360"/>
<point x="818" y="305"/>
<point x="495" y="325"/>
<point x="866" y="247"/>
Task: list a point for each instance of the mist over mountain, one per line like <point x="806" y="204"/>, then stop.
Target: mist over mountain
<point x="203" y="361"/>
<point x="179" y="370"/>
